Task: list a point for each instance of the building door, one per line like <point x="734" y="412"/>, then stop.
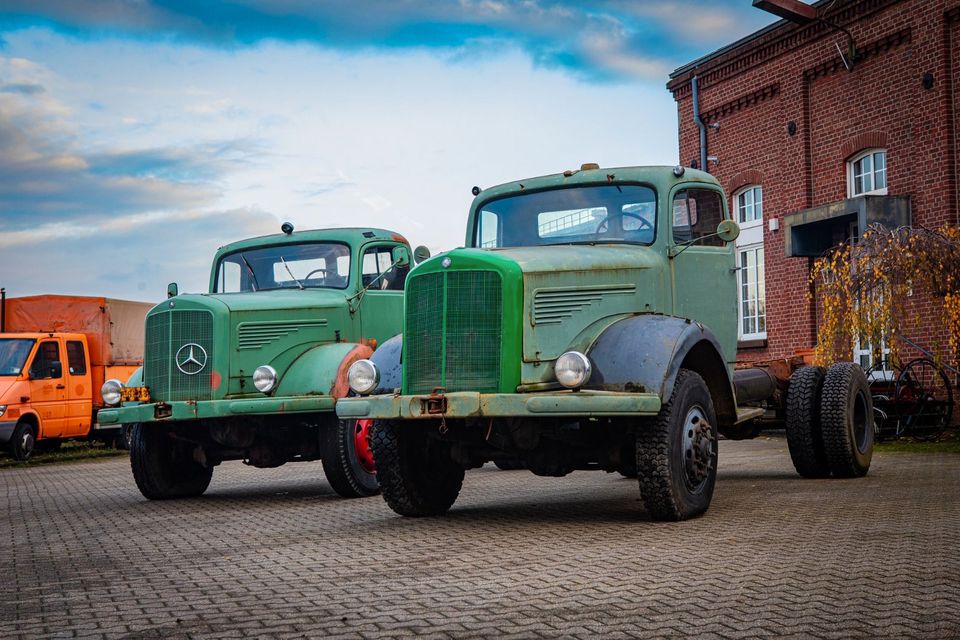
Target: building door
<point x="704" y="280"/>
<point x="48" y="392"/>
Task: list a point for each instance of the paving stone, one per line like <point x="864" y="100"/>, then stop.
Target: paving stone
<point x="274" y="553"/>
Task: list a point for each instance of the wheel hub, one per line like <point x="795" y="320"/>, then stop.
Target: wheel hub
<point x="698" y="442"/>
<point x="361" y="445"/>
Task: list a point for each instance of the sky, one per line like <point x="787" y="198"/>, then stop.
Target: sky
<point x="138" y="136"/>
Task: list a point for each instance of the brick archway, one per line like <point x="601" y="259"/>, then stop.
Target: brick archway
<point x="742" y="179"/>
<point x="861" y="142"/>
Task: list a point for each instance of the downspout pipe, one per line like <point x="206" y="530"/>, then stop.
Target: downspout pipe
<point x="700" y="125"/>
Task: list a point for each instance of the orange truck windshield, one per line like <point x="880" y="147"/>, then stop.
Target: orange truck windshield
<point x="13" y="355"/>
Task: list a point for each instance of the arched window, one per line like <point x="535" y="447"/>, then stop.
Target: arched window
<point x="867" y="173"/>
<point x="748" y="205"/>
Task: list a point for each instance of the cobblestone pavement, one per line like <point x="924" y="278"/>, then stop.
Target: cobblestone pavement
<point x="275" y="553"/>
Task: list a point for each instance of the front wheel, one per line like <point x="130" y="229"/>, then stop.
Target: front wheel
<point x="163" y="467"/>
<point x="417" y="479"/>
<point x="347" y="459"/>
<point x="677" y="452"/>
<point x="23" y="441"/>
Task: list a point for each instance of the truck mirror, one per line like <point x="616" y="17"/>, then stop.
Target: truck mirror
<point x="728" y="230"/>
<point x="401" y="256"/>
<point x="172" y="290"/>
<point x="421" y="253"/>
<point x="56" y="369"/>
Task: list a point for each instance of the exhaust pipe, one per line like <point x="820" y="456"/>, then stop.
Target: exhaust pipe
<point x="3" y="310"/>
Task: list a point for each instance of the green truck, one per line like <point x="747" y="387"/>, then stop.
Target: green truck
<point x="252" y="370"/>
<point x="590" y="322"/>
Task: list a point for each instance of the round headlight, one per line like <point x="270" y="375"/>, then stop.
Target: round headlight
<point x="265" y="378"/>
<point x="572" y="369"/>
<point x="363" y="377"/>
<point x="112" y="392"/>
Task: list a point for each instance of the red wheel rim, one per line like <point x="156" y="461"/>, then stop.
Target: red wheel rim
<point x="361" y="445"/>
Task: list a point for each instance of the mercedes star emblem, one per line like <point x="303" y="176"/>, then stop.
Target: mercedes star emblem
<point x="191" y="358"/>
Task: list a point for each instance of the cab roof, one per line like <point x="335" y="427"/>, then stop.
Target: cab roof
<point x="350" y="235"/>
<point x="658" y="176"/>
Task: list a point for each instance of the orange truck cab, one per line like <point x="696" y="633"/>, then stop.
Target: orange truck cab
<point x="55" y="353"/>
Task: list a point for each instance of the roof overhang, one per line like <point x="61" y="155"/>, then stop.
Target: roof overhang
<point x="813" y="232"/>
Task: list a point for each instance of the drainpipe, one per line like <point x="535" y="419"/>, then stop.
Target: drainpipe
<point x="700" y="125"/>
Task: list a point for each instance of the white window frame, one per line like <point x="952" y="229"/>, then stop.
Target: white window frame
<point x="750" y="239"/>
<point x="760" y="276"/>
<point x="873" y="172"/>
<point x="752" y="203"/>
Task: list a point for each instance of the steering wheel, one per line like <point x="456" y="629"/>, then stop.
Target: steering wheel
<point x="307" y="277"/>
<point x="603" y="226"/>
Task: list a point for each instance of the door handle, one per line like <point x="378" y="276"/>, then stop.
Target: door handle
<point x="61" y="386"/>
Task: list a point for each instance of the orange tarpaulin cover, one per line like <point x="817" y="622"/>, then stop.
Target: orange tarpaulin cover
<point x="114" y="328"/>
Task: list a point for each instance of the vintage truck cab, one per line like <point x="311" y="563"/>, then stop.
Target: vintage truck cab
<point x="588" y="323"/>
<point x="252" y="369"/>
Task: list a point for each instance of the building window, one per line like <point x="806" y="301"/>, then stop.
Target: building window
<point x="752" y="304"/>
<point x="749" y="203"/>
<point x="867" y="173"/>
<point x="751" y="292"/>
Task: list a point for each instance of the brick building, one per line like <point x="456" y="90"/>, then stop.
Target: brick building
<point x="810" y="151"/>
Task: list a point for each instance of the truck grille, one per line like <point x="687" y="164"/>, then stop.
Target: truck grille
<point x="167" y="333"/>
<point x="453" y="329"/>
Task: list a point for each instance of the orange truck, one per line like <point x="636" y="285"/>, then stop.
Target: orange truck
<point x="55" y="353"/>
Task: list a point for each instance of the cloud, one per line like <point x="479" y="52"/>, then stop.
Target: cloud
<point x="612" y="39"/>
<point x="48" y="177"/>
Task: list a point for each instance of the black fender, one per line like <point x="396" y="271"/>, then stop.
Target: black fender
<point x="644" y="353"/>
<point x="387" y="359"/>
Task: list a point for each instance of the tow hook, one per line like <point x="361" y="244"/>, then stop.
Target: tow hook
<point x="436" y="403"/>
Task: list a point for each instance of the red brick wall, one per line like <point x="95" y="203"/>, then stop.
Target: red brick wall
<point x="795" y="74"/>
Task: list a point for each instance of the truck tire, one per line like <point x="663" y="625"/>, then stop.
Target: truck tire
<point x="804" y="433"/>
<point x="415" y="481"/>
<point x="122" y="439"/>
<point x="347" y="460"/>
<point x="23" y="441"/>
<point x="164" y="468"/>
<point x="677" y="452"/>
<point x="846" y="417"/>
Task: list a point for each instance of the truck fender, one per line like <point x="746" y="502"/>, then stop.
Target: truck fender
<point x="322" y="370"/>
<point x="135" y="379"/>
<point x="387" y="359"/>
<point x="644" y="353"/>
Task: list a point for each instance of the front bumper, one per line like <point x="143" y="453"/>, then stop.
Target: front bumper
<point x="6" y="430"/>
<point x="469" y="404"/>
<point x="193" y="410"/>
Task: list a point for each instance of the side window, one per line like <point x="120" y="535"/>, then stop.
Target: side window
<point x="75" y="358"/>
<point x="696" y="214"/>
<point x="488" y="230"/>
<point x="47" y="354"/>
<point x="377" y="273"/>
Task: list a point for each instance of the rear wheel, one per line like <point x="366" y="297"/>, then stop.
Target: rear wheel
<point x="163" y="467"/>
<point x="846" y="417"/>
<point x="23" y="441"/>
<point x="417" y="479"/>
<point x="347" y="459"/>
<point x="804" y="437"/>
<point x="677" y="452"/>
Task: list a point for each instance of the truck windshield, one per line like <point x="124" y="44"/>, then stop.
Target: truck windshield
<point x="571" y="215"/>
<point x="13" y="355"/>
<point x="289" y="266"/>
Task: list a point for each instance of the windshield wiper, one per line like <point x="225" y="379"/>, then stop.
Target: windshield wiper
<point x="253" y="276"/>
<point x="299" y="284"/>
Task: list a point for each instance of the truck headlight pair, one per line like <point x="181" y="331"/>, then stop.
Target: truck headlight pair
<point x="572" y="369"/>
<point x="363" y="377"/>
<point x="112" y="392"/>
